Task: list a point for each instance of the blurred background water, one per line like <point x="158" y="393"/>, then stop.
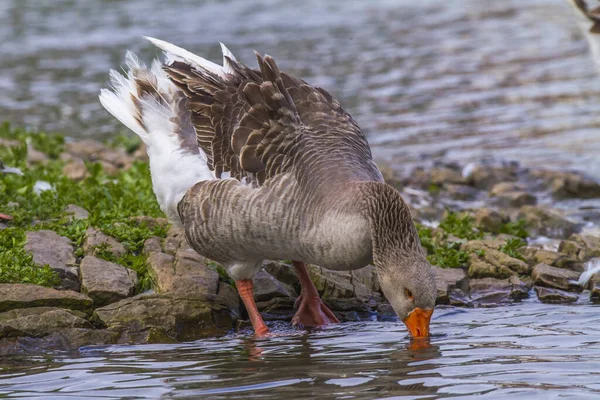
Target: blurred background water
<point x="459" y="79"/>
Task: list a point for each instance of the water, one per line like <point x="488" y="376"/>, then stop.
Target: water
<point x="460" y="79"/>
<point x="527" y="350"/>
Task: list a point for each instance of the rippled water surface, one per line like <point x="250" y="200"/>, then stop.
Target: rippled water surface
<point x="523" y="351"/>
<point x="462" y="79"/>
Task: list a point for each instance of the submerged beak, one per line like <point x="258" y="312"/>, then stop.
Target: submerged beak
<point x="417" y="322"/>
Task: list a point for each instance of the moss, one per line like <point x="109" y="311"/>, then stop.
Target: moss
<point x="110" y="201"/>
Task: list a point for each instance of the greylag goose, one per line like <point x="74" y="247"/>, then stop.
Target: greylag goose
<point x="589" y="22"/>
<point x="258" y="164"/>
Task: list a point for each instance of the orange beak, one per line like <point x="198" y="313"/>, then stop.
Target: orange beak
<point x="417" y="322"/>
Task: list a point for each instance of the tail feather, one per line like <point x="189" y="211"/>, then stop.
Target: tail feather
<point x="148" y="103"/>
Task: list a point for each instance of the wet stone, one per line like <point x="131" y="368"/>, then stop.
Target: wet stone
<point x="595" y="288"/>
<point x="47" y="247"/>
<point x="447" y="279"/>
<point x="106" y="282"/>
<point x="282" y="272"/>
<point x="555" y="296"/>
<point x="490" y="220"/>
<point x="461" y="192"/>
<point x="40" y="321"/>
<point x="547" y="222"/>
<point x="514" y="199"/>
<point x="277" y="309"/>
<point x="458" y="298"/>
<point x="266" y="287"/>
<point x="23" y="295"/>
<point x="545" y="275"/>
<point x="490" y="292"/>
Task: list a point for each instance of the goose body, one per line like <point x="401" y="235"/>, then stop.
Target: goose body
<point x="257" y="164"/>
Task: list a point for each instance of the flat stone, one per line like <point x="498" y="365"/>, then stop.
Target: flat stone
<point x="504" y="187"/>
<point x="545" y="275"/>
<point x="77" y="212"/>
<point x="481" y="269"/>
<point x="35" y="156"/>
<point x="149" y="222"/>
<point x="95" y="238"/>
<point x="485" y="176"/>
<point x="180" y="318"/>
<point x="47" y="247"/>
<point x="588" y="246"/>
<point x="75" y="170"/>
<point x="277" y="309"/>
<point x="519" y="289"/>
<point x="266" y="287"/>
<point x="555" y="296"/>
<point x="40" y="321"/>
<point x="447" y="279"/>
<point x="117" y="157"/>
<point x="106" y="282"/>
<point x="230" y="297"/>
<point x="458" y="298"/>
<point x="491" y="255"/>
<point x="444" y="175"/>
<point x="175" y="237"/>
<point x="24" y="295"/>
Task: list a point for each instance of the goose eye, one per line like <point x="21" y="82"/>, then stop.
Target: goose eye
<point x="408" y="294"/>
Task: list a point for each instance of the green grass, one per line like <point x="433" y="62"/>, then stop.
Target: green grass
<point x="110" y="201"/>
<point x="515" y="228"/>
<point x="444" y="255"/>
<point x="461" y="225"/>
<point x="512" y="246"/>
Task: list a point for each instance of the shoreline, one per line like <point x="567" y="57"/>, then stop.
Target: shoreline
<point x="89" y="259"/>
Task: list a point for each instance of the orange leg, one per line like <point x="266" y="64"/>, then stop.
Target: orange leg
<point x="245" y="288"/>
<point x="311" y="310"/>
<point x="6" y="217"/>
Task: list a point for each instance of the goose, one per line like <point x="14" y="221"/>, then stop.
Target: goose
<point x="257" y="165"/>
<point x="588" y="19"/>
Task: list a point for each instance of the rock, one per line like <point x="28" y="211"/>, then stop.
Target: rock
<point x="367" y="276"/>
<point x="504" y="187"/>
<point x="36" y="157"/>
<point x="547" y="222"/>
<point x="461" y="192"/>
<point x="482" y="269"/>
<point x="567" y="185"/>
<point x="95" y="238"/>
<point x="266" y="287"/>
<point x="151" y="335"/>
<point x="183" y="275"/>
<point x="23" y="295"/>
<point x="116" y="157"/>
<point x="141" y="154"/>
<point x="536" y="256"/>
<point x="548" y="295"/>
<point x="75" y="170"/>
<point x="86" y="149"/>
<point x="490" y="292"/>
<point x="458" y="298"/>
<point x="545" y="275"/>
<point x="152" y="245"/>
<point x="74" y="338"/>
<point x="180" y="318"/>
<point x="519" y="289"/>
<point x="40" y="321"/>
<point x="77" y="212"/>
<point x="108" y="168"/>
<point x="447" y="279"/>
<point x="489" y="220"/>
<point x="277" y="309"/>
<point x="595" y="288"/>
<point x="282" y="272"/>
<point x="149" y="222"/>
<point x="106" y="282"/>
<point x="175" y="237"/>
<point x="487" y="251"/>
<point x="337" y="285"/>
<point x="10" y="143"/>
<point x="444" y="175"/>
<point x="485" y="176"/>
<point x="581" y="246"/>
<point x="514" y="199"/>
<point x="230" y="297"/>
<point x="47" y="247"/>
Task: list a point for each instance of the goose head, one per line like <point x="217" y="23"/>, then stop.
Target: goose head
<point x="406" y="277"/>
